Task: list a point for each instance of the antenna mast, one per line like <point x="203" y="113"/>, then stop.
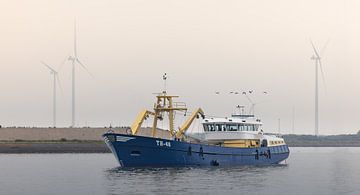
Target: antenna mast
<point x="164" y="78"/>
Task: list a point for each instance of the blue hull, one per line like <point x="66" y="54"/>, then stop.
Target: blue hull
<point x="139" y="151"/>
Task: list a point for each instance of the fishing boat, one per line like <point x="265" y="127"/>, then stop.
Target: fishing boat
<point x="222" y="141"/>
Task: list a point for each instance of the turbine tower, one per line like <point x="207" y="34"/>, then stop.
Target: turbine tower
<point x="75" y="60"/>
<point x="316" y="57"/>
<point x="55" y="78"/>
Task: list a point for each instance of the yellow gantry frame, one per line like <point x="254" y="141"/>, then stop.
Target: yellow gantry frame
<point x="188" y="122"/>
<point x="165" y="103"/>
<point x="139" y="120"/>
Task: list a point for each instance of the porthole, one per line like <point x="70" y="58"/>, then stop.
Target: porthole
<point x="135" y="153"/>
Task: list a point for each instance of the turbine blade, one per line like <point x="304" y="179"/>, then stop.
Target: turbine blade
<point x="52" y="70"/>
<point x="322" y="75"/>
<point x="62" y="63"/>
<point x="75" y="50"/>
<point x="84" y="67"/>
<point x="325" y="46"/>
<point x="59" y="83"/>
<point x="313" y="46"/>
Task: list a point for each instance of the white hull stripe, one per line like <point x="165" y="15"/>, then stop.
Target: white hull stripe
<point x="123" y="138"/>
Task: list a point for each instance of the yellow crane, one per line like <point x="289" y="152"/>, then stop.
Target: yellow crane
<point x="180" y="133"/>
<point x="139" y="120"/>
<point x="163" y="104"/>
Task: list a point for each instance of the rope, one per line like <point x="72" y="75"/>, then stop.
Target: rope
<point x="198" y="126"/>
<point x="192" y="128"/>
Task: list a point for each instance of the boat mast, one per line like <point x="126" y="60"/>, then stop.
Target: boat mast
<point x="165" y="103"/>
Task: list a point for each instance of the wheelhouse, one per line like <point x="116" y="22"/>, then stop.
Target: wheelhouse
<point x="234" y="123"/>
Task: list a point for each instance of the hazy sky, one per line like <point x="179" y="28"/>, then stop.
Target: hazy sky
<point x="203" y="45"/>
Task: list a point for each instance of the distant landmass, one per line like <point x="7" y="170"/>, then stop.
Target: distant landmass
<point x="347" y="140"/>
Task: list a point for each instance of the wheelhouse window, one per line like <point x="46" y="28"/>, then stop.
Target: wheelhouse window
<point x="218" y="127"/>
<point x="211" y="127"/>
<point x="247" y="127"/>
<point x="251" y="128"/>
<point x="223" y="127"/>
<point x="232" y="127"/>
<point x="206" y="128"/>
<point x="241" y="127"/>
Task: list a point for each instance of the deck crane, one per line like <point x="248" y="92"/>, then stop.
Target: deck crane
<point x="163" y="104"/>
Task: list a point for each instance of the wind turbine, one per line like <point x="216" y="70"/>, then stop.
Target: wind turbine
<point x="55" y="78"/>
<point x="317" y="58"/>
<point x="75" y="61"/>
<point x="253" y="104"/>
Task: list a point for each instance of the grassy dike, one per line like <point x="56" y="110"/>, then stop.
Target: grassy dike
<point x="60" y="140"/>
<point x="53" y="146"/>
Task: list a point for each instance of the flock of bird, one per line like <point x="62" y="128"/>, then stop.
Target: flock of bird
<point x="244" y="92"/>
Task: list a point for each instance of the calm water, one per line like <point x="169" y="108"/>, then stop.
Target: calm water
<point x="307" y="171"/>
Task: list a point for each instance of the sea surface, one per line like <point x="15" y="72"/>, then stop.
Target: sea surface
<point x="307" y="171"/>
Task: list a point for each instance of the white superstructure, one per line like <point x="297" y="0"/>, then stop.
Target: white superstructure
<point x="239" y="128"/>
